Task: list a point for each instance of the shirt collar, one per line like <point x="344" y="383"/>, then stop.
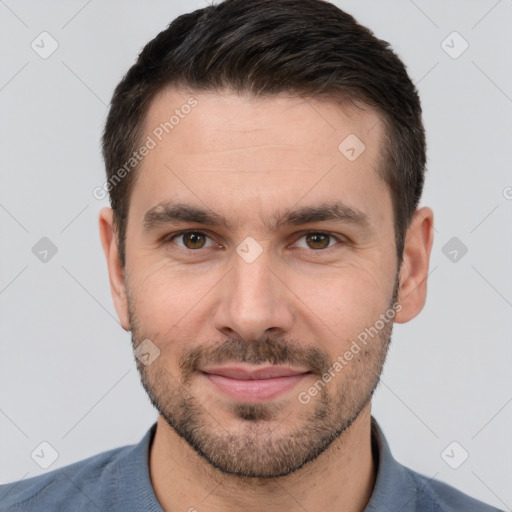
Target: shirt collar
<point x="394" y="487"/>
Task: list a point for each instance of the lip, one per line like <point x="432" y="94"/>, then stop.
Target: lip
<point x="246" y="373"/>
<point x="254" y="384"/>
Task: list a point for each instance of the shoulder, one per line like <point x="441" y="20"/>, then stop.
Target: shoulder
<point x="398" y="487"/>
<point x="82" y="485"/>
<point x="438" y="496"/>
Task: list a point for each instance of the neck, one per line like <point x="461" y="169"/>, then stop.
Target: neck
<point x="344" y="474"/>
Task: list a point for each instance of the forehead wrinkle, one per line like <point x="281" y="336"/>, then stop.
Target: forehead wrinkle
<point x="289" y="147"/>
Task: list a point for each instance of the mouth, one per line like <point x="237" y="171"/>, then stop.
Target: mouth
<point x="254" y="384"/>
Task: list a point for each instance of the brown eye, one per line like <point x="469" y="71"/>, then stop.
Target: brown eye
<point x="193" y="240"/>
<point x="190" y="240"/>
<point x="317" y="240"/>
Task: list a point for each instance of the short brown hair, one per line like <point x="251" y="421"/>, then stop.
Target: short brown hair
<point x="308" y="48"/>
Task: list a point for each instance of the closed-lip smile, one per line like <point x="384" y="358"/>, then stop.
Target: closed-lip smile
<point x="250" y="383"/>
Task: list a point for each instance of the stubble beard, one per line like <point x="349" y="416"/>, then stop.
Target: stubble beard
<point x="270" y="439"/>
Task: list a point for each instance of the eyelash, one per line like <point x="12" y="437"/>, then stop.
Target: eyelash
<point x="172" y="236"/>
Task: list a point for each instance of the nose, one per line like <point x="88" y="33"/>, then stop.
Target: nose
<point x="255" y="300"/>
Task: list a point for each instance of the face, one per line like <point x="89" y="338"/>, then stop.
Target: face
<point x="261" y="265"/>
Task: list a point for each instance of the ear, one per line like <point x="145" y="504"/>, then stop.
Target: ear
<point x="414" y="269"/>
<point x="115" y="269"/>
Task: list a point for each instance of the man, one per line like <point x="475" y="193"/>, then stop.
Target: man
<point x="265" y="162"/>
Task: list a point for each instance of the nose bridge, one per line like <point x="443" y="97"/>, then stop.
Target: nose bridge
<point x="252" y="282"/>
<point x="254" y="299"/>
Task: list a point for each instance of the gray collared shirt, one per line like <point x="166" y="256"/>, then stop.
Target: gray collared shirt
<point x="118" y="480"/>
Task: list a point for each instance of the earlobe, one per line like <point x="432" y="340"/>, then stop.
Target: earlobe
<point x="414" y="269"/>
<point x="114" y="267"/>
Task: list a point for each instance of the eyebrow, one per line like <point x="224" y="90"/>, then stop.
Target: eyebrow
<point x="176" y="213"/>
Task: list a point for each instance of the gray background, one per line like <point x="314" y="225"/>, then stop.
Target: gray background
<point x="67" y="374"/>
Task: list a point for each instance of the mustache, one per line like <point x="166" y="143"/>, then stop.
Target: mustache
<point x="264" y="350"/>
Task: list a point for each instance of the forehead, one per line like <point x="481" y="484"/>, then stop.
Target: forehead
<point x="236" y="152"/>
<point x="220" y="120"/>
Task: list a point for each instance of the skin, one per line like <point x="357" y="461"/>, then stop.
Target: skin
<point x="249" y="159"/>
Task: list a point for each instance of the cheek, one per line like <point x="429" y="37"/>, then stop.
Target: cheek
<point x="165" y="296"/>
<point x="343" y="303"/>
